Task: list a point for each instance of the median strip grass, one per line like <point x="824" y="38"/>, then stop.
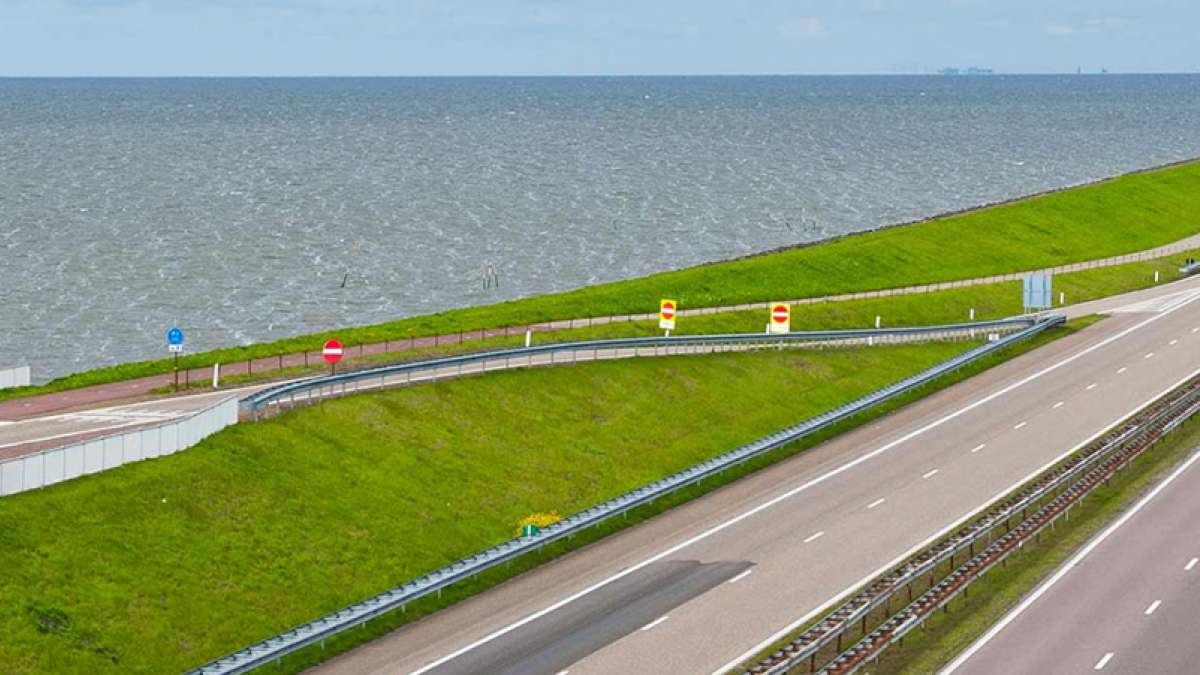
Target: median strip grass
<point x="1126" y="214"/>
<point x="945" y="635"/>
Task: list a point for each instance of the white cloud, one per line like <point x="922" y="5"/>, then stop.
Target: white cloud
<point x="803" y="28"/>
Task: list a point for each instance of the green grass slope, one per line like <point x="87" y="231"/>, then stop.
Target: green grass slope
<point x="162" y="565"/>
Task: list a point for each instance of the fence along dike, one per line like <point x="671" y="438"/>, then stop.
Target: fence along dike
<point x="56" y="465"/>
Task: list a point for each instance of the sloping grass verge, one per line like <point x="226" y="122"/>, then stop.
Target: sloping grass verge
<point x="161" y="565"/>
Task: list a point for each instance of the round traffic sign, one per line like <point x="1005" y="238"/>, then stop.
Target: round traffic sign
<point x="779" y="313"/>
<point x="668" y="310"/>
<point x="332" y="351"/>
<point x="174" y="337"/>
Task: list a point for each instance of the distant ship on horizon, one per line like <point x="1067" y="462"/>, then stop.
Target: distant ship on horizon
<point x="972" y="70"/>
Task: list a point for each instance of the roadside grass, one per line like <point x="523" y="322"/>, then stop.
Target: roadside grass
<point x="161" y="565"/>
<point x="946" y="635"/>
<point x="991" y="301"/>
<point x="1126" y="214"/>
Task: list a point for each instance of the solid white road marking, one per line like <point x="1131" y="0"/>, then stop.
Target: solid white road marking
<point x="875" y="503"/>
<point x="978" y="447"/>
<point x="1191" y="564"/>
<point x="1020" y="425"/>
<point x="1091" y="386"/>
<point x="1153" y="606"/>
<point x="1064" y="570"/>
<point x="1056" y="406"/>
<point x="1103" y="661"/>
<point x="741" y="576"/>
<point x="930" y="474"/>
<point x="655" y="622"/>
<point x="814" y="537"/>
<point x="720" y="527"/>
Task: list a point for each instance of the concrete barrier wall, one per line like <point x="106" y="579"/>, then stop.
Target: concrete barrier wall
<point x="56" y="465"/>
<point x="14" y="377"/>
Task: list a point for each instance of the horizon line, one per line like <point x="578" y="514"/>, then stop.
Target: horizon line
<point x="960" y="75"/>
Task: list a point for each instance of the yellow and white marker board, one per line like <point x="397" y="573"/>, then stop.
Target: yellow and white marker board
<point x="666" y="314"/>
<point x="781" y="318"/>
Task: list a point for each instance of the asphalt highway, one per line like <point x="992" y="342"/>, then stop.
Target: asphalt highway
<point x="1126" y="603"/>
<point x="811" y="529"/>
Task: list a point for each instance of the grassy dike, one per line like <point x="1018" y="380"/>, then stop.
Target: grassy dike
<point x="946" y="635"/>
<point x="991" y="301"/>
<point x="1126" y="214"/>
<point x="162" y="565"/>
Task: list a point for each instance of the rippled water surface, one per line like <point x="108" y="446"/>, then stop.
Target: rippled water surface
<point x="235" y="207"/>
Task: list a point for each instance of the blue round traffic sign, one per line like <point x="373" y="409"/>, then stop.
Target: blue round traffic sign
<point x="174" y="337"/>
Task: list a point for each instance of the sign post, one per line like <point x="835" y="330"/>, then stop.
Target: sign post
<point x="666" y="314"/>
<point x="781" y="318"/>
<point x="332" y="353"/>
<point x="175" y="346"/>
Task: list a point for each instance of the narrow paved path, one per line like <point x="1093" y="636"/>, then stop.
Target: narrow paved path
<point x="86" y="397"/>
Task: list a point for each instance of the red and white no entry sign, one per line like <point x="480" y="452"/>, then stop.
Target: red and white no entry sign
<point x="666" y="314"/>
<point x="781" y="318"/>
<point x="332" y="351"/>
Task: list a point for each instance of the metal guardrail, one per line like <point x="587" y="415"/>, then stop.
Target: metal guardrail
<point x="274" y="648"/>
<point x="883" y="590"/>
<point x="303" y="390"/>
<point x="1107" y="462"/>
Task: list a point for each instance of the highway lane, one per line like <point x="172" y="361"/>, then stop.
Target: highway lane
<point x="815" y="526"/>
<point x="1126" y="603"/>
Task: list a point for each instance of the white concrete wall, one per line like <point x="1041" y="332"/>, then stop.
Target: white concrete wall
<point x="14" y="377"/>
<point x="48" y="467"/>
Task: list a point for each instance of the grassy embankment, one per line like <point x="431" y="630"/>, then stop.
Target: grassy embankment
<point x="1126" y="214"/>
<point x="991" y="301"/>
<point x="947" y="634"/>
<point x="161" y="565"/>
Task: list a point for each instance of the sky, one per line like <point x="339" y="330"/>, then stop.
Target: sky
<point x="592" y="37"/>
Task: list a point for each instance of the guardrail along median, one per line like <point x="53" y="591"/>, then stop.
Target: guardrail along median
<point x="979" y="546"/>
